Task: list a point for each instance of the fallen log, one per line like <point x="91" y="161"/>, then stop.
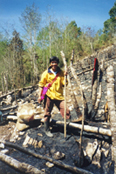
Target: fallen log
<point x="20" y="166"/>
<point x="8" y="108"/>
<point x="56" y="162"/>
<point x="87" y="128"/>
<point x="9" y="93"/>
<point x="16" y="90"/>
<point x="87" y="70"/>
<point x="11" y="117"/>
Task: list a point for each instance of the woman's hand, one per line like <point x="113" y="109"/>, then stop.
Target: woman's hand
<point x="65" y="73"/>
<point x="40" y="92"/>
<point x="39" y="99"/>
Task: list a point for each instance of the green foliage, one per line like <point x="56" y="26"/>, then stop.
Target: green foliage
<point x="110" y="24"/>
<point x="72" y="31"/>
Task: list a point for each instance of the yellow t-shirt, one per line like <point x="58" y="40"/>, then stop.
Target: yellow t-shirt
<point x="55" y="92"/>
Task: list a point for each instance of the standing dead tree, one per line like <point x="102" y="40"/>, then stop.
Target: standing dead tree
<point x="2" y="82"/>
<point x="4" y="77"/>
<point x="112" y="112"/>
<point x="96" y="97"/>
<point x="82" y="94"/>
<point x="74" y="101"/>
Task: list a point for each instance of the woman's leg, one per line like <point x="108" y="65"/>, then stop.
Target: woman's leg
<point x="60" y="106"/>
<point x="48" y="108"/>
<point x="47" y="115"/>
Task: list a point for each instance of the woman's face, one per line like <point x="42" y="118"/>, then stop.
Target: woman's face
<point x="54" y="65"/>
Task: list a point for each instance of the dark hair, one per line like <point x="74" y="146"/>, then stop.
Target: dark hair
<point x="54" y="58"/>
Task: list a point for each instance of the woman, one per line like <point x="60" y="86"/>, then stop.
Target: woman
<point x="54" y="94"/>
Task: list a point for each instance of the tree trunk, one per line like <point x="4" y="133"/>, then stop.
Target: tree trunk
<point x="74" y="101"/>
<point x="87" y="128"/>
<point x="111" y="109"/>
<point x="2" y="80"/>
<point x="22" y="167"/>
<point x="84" y="103"/>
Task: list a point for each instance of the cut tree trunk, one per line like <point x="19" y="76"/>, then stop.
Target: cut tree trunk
<point x="22" y="167"/>
<point x="87" y="128"/>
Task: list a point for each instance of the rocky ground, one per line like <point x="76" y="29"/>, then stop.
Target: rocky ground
<point x="96" y="149"/>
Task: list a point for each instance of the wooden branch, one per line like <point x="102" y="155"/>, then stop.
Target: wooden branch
<point x="56" y="162"/>
<point x="22" y="167"/>
<point x="84" y="71"/>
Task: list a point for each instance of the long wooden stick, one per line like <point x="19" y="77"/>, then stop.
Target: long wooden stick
<point x="64" y="60"/>
<point x="56" y="162"/>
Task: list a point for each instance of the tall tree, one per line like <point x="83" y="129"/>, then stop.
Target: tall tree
<point x="16" y="49"/>
<point x="48" y="40"/>
<point x="13" y="60"/>
<point x="70" y="36"/>
<point x="72" y="30"/>
<point x="30" y="20"/>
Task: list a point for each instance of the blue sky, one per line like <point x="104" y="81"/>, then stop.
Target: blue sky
<point x="86" y="13"/>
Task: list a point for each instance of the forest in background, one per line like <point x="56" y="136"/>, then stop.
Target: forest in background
<point x="24" y="57"/>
